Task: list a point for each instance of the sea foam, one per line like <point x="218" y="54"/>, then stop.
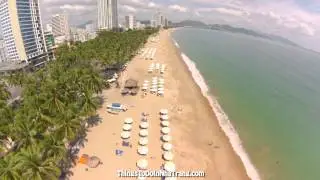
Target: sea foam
<point x="222" y="117"/>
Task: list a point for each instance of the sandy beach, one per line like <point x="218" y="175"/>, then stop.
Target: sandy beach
<point x="198" y="142"/>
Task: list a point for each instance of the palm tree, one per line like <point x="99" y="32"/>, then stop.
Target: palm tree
<point x="53" y="147"/>
<point x="34" y="165"/>
<point x="9" y="169"/>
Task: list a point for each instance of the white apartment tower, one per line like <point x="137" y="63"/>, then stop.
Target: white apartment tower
<point x="130" y="22"/>
<point x="107" y="14"/>
<point x="22" y="29"/>
<point x="60" y="25"/>
<point x="3" y="54"/>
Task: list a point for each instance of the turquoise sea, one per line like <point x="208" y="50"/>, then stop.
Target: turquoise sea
<point x="270" y="93"/>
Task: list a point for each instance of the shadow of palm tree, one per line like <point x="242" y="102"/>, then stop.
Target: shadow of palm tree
<point x="93" y="121"/>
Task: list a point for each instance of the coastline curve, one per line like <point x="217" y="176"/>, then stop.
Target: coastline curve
<point x="223" y="119"/>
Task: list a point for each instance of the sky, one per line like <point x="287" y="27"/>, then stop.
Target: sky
<point x="297" y="20"/>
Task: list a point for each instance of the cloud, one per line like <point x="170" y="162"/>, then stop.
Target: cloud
<point x="231" y="12"/>
<point x="178" y="8"/>
<point x="298" y="22"/>
<point x="128" y="8"/>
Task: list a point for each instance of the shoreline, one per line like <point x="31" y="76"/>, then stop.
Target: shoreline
<point x="198" y="141"/>
<point x="224" y="122"/>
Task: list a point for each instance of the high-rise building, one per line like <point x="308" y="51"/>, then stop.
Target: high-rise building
<point x="22" y="30"/>
<point x="3" y="54"/>
<point x="48" y="27"/>
<point x="60" y="25"/>
<point x="107" y="14"/>
<point x="159" y="19"/>
<point x="130" y="22"/>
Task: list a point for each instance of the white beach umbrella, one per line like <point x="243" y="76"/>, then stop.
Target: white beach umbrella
<point x="161" y="93"/>
<point x="125" y="135"/>
<point x="166" y="138"/>
<point x="143" y="141"/>
<point x="143" y="133"/>
<point x="141" y="178"/>
<point x="169" y="166"/>
<point x="155" y="77"/>
<point x="167" y="146"/>
<point x="144" y="125"/>
<point x="144" y="88"/>
<point x="160" y="86"/>
<point x="160" y="89"/>
<point x="165" y="130"/>
<point x="154" y="86"/>
<point x="170" y="178"/>
<point x="126" y="127"/>
<point x="154" y="83"/>
<point x="145" y="84"/>
<point x="142" y="164"/>
<point x="164" y="117"/>
<point x="163" y="111"/>
<point x="143" y="150"/>
<point x="161" y="79"/>
<point x="146" y="81"/>
<point x="128" y="121"/>
<point x="168" y="156"/>
<point x="153" y="90"/>
<point x="161" y="82"/>
<point x="165" y="123"/>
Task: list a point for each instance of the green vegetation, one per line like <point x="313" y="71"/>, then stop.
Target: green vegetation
<point x="57" y="104"/>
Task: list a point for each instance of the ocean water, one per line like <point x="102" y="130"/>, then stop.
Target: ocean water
<point x="266" y="96"/>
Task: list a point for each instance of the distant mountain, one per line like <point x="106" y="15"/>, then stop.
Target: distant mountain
<point x="189" y="23"/>
<point x="83" y="26"/>
<point x="249" y="32"/>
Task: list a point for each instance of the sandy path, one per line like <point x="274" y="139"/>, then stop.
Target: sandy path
<point x="198" y="141"/>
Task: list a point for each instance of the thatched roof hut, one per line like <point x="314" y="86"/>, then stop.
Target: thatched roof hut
<point x="131" y="83"/>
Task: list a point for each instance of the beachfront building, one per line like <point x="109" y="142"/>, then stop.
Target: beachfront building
<point x="130" y="22"/>
<point x="60" y="26"/>
<point x="48" y="36"/>
<point x="107" y="14"/>
<point x="159" y="20"/>
<point x="22" y="31"/>
<point x="3" y="54"/>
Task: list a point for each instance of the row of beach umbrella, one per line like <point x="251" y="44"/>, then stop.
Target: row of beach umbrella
<point x="156" y="87"/>
<point x="149" y="53"/>
<point x="143" y="150"/>
<point x="157" y="67"/>
<point x="166" y="139"/>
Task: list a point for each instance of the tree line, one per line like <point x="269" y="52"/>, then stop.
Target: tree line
<point x="56" y="103"/>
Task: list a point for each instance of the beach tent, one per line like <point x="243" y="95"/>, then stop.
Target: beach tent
<point x="131" y="83"/>
<point x="128" y="121"/>
<point x="143" y="133"/>
<point x="169" y="166"/>
<point x="164" y="117"/>
<point x="166" y="138"/>
<point x="168" y="156"/>
<point x="93" y="162"/>
<point x="142" y="164"/>
<point x="125" y="135"/>
<point x="143" y="141"/>
<point x="143" y="150"/>
<point x="167" y="146"/>
<point x="144" y="125"/>
<point x="126" y="127"/>
<point x="165" y="123"/>
<point x="165" y="130"/>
